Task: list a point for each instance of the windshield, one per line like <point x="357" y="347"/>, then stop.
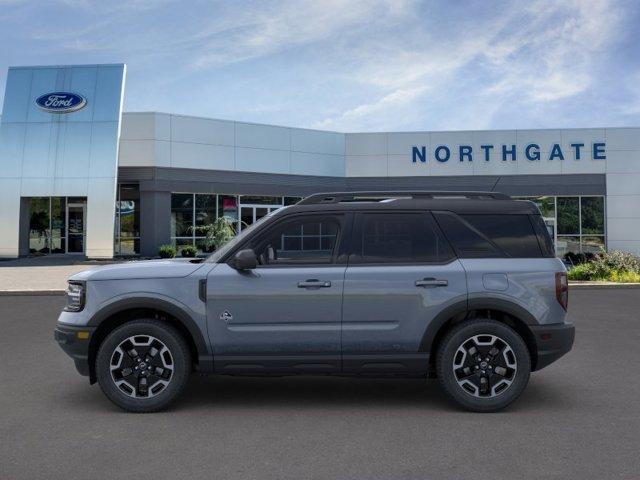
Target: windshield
<point x="231" y="244"/>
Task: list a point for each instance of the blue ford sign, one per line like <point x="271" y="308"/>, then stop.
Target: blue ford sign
<point x="61" y="102"/>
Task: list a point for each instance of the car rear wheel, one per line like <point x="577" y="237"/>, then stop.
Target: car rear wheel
<point x="483" y="365"/>
<point x="143" y="365"/>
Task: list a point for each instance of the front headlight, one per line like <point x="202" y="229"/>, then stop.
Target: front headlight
<point x="75" y="296"/>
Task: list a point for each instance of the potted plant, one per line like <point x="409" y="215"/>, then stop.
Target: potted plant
<point x="166" y="251"/>
<point x="188" y="251"/>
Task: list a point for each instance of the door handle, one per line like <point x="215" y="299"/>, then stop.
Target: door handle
<point x="431" y="283"/>
<point x="313" y="283"/>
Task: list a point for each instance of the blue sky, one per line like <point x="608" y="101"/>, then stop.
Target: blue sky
<point x="351" y="65"/>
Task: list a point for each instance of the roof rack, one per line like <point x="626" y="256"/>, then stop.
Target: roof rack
<point x="337" y="197"/>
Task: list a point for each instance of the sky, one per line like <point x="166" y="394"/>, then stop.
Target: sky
<point x="351" y="65"/>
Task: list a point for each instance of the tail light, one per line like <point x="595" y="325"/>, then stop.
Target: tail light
<point x="562" y="289"/>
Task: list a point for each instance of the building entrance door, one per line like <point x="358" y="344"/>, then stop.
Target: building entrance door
<point x="76" y="220"/>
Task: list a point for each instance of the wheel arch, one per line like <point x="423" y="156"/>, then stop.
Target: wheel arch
<point x="125" y="310"/>
<point x="506" y="312"/>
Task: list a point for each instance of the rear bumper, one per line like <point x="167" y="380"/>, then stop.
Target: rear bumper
<point x="74" y="345"/>
<point x="552" y="342"/>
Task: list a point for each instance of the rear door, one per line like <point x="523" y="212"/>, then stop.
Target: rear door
<point x="401" y="274"/>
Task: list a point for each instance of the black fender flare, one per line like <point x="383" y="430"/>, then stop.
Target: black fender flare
<point x="503" y="305"/>
<point x="464" y="307"/>
<point x="453" y="310"/>
<point x="156" y="304"/>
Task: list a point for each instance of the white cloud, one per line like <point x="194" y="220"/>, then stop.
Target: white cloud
<point x="252" y="33"/>
<point x="543" y="53"/>
<point x="345" y="64"/>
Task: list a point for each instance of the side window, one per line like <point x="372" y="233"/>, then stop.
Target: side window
<point x="544" y="239"/>
<point x="513" y="234"/>
<point x="400" y="238"/>
<point x="488" y="235"/>
<point x="302" y="241"/>
<point x="468" y="242"/>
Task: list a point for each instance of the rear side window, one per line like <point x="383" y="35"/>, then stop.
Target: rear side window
<point x="544" y="236"/>
<point x="487" y="235"/>
<point x="513" y="234"/>
<point x="399" y="238"/>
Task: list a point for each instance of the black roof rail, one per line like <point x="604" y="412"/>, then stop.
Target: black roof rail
<point x="336" y="197"/>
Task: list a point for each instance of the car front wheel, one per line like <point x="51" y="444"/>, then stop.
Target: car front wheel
<point x="483" y="365"/>
<point x="143" y="365"/>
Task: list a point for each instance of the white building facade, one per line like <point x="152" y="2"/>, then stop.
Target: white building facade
<point x="90" y="179"/>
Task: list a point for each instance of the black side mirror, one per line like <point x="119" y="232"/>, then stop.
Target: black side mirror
<point x="245" y="260"/>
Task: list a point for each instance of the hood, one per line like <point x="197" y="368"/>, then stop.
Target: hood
<point x="170" y="268"/>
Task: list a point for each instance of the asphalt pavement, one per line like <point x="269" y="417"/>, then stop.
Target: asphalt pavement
<point x="578" y="419"/>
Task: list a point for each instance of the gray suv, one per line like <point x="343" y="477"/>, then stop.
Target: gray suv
<point x="462" y="286"/>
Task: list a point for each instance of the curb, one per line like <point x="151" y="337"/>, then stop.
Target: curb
<point x="11" y="293"/>
<point x="603" y="285"/>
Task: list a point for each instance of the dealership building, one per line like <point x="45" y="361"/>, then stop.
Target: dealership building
<point x="79" y="176"/>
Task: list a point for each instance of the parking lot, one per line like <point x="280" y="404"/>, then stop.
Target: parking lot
<point x="579" y="418"/>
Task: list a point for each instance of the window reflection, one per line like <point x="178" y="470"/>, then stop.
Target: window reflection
<point x="580" y="222"/>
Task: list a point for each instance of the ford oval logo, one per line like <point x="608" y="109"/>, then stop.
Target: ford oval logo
<point x="61" y="102"/>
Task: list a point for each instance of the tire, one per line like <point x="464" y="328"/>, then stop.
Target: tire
<point x="461" y="369"/>
<point x="143" y="365"/>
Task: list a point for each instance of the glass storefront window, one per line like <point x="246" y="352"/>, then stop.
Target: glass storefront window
<point x="592" y="215"/>
<point x="181" y="215"/>
<point x="58" y="221"/>
<point x="547" y="206"/>
<point x="192" y="210"/>
<point x="565" y="244"/>
<point x="580" y="222"/>
<point x="181" y="242"/>
<point x="568" y="216"/>
<point x="592" y="244"/>
<point x="228" y="206"/>
<point x="260" y="200"/>
<point x="202" y="246"/>
<point x="127" y="229"/>
<point x="39" y="220"/>
<point x="291" y="200"/>
<point x="50" y="224"/>
<point x="205" y="210"/>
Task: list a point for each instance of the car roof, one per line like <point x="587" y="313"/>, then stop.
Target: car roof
<point x="457" y="202"/>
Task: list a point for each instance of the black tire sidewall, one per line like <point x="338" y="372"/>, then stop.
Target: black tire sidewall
<point x="181" y="359"/>
<point x="455" y="338"/>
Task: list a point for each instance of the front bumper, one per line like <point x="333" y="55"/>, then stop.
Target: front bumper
<point x="552" y="342"/>
<point x="75" y="342"/>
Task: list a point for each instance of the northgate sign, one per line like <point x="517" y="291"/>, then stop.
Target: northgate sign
<point x="532" y="152"/>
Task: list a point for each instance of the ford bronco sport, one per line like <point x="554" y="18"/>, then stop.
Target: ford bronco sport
<point x="463" y="286"/>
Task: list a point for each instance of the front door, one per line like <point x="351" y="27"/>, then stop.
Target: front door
<point x="75" y="227"/>
<point x="286" y="314"/>
<point x="401" y="274"/>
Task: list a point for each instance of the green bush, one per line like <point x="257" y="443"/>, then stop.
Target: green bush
<point x="614" y="266"/>
<point x="621" y="276"/>
<point x="188" y="251"/>
<point x="616" y="260"/>
<point x="584" y="271"/>
<point x="166" y="251"/>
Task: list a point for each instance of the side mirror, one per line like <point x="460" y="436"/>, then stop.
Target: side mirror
<point x="245" y="260"/>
